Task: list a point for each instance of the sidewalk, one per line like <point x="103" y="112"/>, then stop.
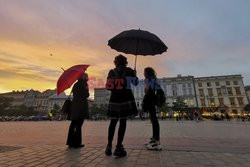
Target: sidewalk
<point x="184" y="144"/>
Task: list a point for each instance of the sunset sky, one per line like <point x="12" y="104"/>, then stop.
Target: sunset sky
<point x="39" y="37"/>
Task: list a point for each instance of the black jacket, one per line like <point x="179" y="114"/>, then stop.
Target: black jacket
<point x="80" y="108"/>
<point x="149" y="99"/>
<point x="122" y="102"/>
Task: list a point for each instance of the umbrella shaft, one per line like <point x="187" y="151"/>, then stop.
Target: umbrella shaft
<point x="137" y="46"/>
<point x="135" y="61"/>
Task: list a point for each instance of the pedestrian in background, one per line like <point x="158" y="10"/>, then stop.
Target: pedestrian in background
<point x="196" y="116"/>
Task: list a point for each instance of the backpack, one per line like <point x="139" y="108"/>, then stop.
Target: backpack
<point x="160" y="97"/>
<point x="66" y="108"/>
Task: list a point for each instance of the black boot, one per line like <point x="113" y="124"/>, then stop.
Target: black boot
<point x="108" y="150"/>
<point x="120" y="151"/>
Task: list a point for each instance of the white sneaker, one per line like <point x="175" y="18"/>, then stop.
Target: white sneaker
<point x="152" y="140"/>
<point x="154" y="146"/>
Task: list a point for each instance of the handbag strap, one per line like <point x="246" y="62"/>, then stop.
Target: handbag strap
<point x="70" y="94"/>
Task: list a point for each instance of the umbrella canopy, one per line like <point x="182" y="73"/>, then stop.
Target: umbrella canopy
<point x="69" y="76"/>
<point x="137" y="42"/>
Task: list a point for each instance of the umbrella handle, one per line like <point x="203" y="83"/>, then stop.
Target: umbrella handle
<point x="135" y="62"/>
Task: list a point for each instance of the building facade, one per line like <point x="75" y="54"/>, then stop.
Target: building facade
<point x="247" y="89"/>
<point x="173" y="87"/>
<point x="223" y="93"/>
<point x="30" y="97"/>
<point x="56" y="100"/>
<point x="41" y="102"/>
<point x="101" y="96"/>
<point x="18" y="97"/>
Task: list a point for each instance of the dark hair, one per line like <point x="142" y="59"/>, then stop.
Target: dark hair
<point x="120" y="60"/>
<point x="149" y="73"/>
<point x="83" y="77"/>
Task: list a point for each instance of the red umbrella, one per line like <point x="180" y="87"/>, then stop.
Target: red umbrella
<point x="69" y="76"/>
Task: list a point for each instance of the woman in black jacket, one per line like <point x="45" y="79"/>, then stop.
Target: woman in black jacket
<point x="121" y="104"/>
<point x="149" y="103"/>
<point x="79" y="112"/>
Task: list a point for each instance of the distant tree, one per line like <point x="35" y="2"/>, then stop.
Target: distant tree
<point x="179" y="105"/>
<point x="165" y="108"/>
<point x="247" y="107"/>
<point x="21" y="110"/>
<point x="56" y="110"/>
<point x="5" y="104"/>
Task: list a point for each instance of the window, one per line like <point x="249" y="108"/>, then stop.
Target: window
<point x="200" y="84"/>
<point x="201" y="92"/>
<point x="219" y="91"/>
<point x="232" y="101"/>
<point x="229" y="91"/>
<point x="189" y="84"/>
<point x="221" y="101"/>
<point x="202" y="101"/>
<point x="236" y="83"/>
<point x="210" y="91"/>
<point x="217" y="83"/>
<point x="240" y="100"/>
<point x="184" y="91"/>
<point x="173" y="86"/>
<point x="174" y="93"/>
<point x="227" y="82"/>
<point x="208" y="84"/>
<point x="184" y="85"/>
<point x="237" y="90"/>
<point x="190" y="91"/>
<point x="224" y="91"/>
<point x="212" y="102"/>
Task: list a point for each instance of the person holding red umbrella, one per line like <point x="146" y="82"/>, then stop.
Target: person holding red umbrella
<point x="79" y="111"/>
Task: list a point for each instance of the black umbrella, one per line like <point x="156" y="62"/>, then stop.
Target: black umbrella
<point x="137" y="42"/>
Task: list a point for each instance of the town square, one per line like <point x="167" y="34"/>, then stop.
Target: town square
<point x="186" y="143"/>
<point x="130" y="83"/>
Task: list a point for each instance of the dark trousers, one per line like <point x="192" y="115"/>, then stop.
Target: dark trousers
<point x="155" y="123"/>
<point x="121" y="131"/>
<point x="75" y="133"/>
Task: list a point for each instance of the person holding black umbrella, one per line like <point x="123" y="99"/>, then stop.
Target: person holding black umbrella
<point x="121" y="104"/>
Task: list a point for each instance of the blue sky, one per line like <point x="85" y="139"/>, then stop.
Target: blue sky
<point x="205" y="38"/>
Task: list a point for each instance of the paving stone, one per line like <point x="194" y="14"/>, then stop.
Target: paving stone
<point x="185" y="144"/>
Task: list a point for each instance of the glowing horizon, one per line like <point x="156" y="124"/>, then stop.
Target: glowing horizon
<point x="38" y="38"/>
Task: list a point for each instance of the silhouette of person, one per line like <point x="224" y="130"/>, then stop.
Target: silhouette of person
<point x="121" y="104"/>
<point x="79" y="112"/>
<point x="196" y="116"/>
<point x="227" y="117"/>
<point x="149" y="104"/>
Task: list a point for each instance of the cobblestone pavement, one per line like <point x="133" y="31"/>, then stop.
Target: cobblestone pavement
<point x="184" y="143"/>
